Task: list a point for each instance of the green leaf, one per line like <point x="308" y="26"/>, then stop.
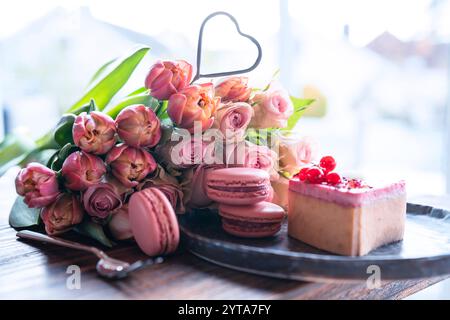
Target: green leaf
<point x="63" y="130"/>
<point x="37" y="155"/>
<point x="56" y="161"/>
<point x="101" y="71"/>
<point x="91" y="106"/>
<point x="144" y="98"/>
<point x="21" y="216"/>
<point x="95" y="231"/>
<point x="161" y="112"/>
<point x="138" y="91"/>
<point x="259" y="137"/>
<point x="300" y="105"/>
<point x="111" y="80"/>
<point x="15" y="145"/>
<point x="14" y="149"/>
<point x="274" y="77"/>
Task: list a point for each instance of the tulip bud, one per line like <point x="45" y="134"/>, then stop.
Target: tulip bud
<point x="94" y="132"/>
<point x="38" y="184"/>
<point x="168" y="77"/>
<point x="61" y="215"/>
<point x="195" y="103"/>
<point x="233" y="89"/>
<point x="81" y="170"/>
<point x="138" y="126"/>
<point x="130" y="165"/>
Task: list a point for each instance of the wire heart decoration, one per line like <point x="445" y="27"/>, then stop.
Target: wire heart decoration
<point x="198" y="74"/>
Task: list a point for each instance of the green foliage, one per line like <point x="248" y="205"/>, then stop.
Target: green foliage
<point x="21" y="216"/>
<point x="300" y="105"/>
<point x="95" y="231"/>
<point x="110" y="79"/>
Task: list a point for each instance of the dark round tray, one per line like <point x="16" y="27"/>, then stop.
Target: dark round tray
<point x="424" y="251"/>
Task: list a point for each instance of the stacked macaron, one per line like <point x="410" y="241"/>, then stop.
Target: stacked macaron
<point x="242" y="194"/>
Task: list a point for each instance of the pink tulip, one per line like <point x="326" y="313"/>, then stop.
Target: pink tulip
<point x="233" y="89"/>
<point x="81" y="170"/>
<point x="129" y="164"/>
<point x="168" y="77"/>
<point x="272" y="109"/>
<point x="38" y="184"/>
<point x="232" y="119"/>
<point x="138" y="126"/>
<point x="195" y="103"/>
<point x="119" y="225"/>
<point x="94" y="132"/>
<point x="102" y="199"/>
<point x="61" y="215"/>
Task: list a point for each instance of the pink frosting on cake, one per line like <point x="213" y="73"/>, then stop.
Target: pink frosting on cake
<point x="353" y="197"/>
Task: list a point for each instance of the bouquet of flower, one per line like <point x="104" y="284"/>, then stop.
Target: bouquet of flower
<point x="167" y="135"/>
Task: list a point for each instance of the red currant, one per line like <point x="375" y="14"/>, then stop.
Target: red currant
<point x="302" y="174"/>
<point x="314" y="175"/>
<point x="327" y="163"/>
<point x="333" y="178"/>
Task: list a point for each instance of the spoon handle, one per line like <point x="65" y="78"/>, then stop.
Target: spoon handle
<point x="31" y="235"/>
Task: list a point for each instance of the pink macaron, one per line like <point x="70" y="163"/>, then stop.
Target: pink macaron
<point x="262" y="219"/>
<point x="153" y="222"/>
<point x="238" y="186"/>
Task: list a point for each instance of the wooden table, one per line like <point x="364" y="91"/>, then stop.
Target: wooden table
<point x="37" y="271"/>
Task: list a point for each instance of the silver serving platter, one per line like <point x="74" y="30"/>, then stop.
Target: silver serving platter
<point x="424" y="251"/>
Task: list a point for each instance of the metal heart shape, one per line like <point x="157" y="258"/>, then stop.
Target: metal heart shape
<point x="198" y="74"/>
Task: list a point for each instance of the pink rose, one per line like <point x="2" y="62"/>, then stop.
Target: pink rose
<point x="169" y="186"/>
<point x="168" y="77"/>
<point x="251" y="155"/>
<point x="61" y="215"/>
<point x="272" y="109"/>
<point x="232" y="119"/>
<point x="130" y="165"/>
<point x="195" y="103"/>
<point x="81" y="170"/>
<point x="295" y="152"/>
<point x="138" y="126"/>
<point x="102" y="199"/>
<point x="182" y="154"/>
<point x="119" y="225"/>
<point x="233" y="89"/>
<point x="94" y="132"/>
<point x="38" y="184"/>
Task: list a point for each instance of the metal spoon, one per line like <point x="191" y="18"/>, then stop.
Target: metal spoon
<point x="106" y="266"/>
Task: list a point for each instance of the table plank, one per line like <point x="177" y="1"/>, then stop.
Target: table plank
<point x="38" y="271"/>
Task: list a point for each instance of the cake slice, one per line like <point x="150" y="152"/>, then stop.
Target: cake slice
<point x="347" y="218"/>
